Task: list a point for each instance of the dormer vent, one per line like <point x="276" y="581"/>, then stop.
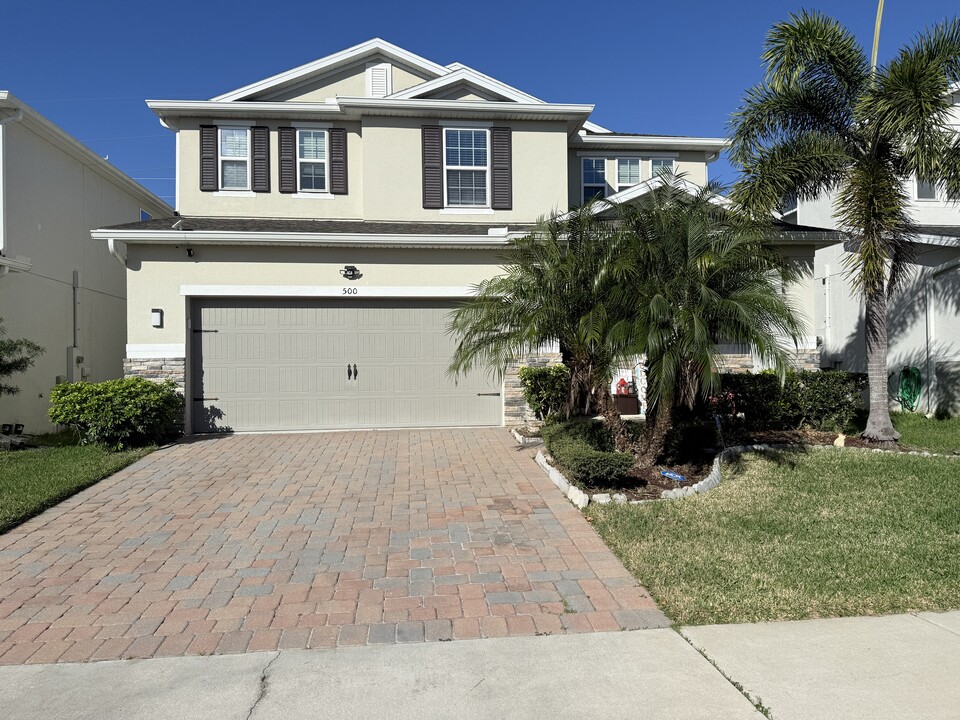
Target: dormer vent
<point x="379" y="80"/>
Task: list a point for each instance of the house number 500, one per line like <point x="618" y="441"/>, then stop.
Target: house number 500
<point x="349" y="291"/>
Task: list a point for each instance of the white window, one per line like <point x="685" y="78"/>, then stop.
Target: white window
<point x="144" y="215"/>
<point x="628" y="172"/>
<point x="312" y="160"/>
<point x="234" y="158"/>
<point x="466" y="165"/>
<point x="926" y="190"/>
<point x="594" y="178"/>
<point x="659" y="165"/>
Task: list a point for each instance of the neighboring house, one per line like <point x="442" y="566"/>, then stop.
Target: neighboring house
<point x="332" y="215"/>
<point x="58" y="287"/>
<point x="923" y="318"/>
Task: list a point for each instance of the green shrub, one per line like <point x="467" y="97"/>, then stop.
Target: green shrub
<point x="584" y="450"/>
<point x="825" y="400"/>
<point x="545" y="388"/>
<point x="118" y="414"/>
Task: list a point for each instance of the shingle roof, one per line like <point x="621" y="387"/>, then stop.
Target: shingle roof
<point x="952" y="231"/>
<point x="338" y="227"/>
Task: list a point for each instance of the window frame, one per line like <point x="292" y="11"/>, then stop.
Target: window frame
<point x="221" y="158"/>
<point x="584" y="185"/>
<point x="325" y="162"/>
<point x="639" y="162"/>
<point x="673" y="164"/>
<point x="487" y="169"/>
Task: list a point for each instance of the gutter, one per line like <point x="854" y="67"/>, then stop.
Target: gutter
<point x="118" y="250"/>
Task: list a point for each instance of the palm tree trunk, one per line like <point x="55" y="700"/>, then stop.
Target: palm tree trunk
<point x="623" y="439"/>
<point x="879" y="426"/>
<point x="659" y="422"/>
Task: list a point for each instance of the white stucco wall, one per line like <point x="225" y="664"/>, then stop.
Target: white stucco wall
<point x="52" y="201"/>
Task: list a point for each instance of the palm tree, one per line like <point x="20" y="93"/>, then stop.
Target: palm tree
<point x="705" y="277"/>
<point x="824" y="121"/>
<point x="560" y="285"/>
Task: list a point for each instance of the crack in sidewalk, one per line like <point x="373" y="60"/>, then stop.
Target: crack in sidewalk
<point x="757" y="702"/>
<point x="935" y="623"/>
<point x="263" y="685"/>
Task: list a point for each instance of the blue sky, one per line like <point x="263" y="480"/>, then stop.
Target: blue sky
<point x="654" y="67"/>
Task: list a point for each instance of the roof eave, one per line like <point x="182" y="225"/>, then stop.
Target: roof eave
<point x="655" y="142"/>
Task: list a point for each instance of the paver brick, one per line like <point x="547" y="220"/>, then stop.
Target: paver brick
<point x="240" y="543"/>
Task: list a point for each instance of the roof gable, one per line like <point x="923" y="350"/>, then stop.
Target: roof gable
<point x="314" y="71"/>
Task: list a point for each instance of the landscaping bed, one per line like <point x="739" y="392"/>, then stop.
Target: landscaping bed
<point x="792" y="534"/>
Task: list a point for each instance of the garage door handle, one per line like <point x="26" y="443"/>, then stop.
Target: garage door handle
<point x="204" y="399"/>
<point x="349" y="372"/>
<point x="489" y="394"/>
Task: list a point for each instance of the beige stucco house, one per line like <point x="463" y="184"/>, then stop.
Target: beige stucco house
<point x="58" y="287"/>
<point x="332" y="215"/>
<point x="923" y="319"/>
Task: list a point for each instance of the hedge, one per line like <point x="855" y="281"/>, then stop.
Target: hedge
<point x="825" y="400"/>
<point x="584" y="451"/>
<point x="545" y="388"/>
<point x="119" y="414"/>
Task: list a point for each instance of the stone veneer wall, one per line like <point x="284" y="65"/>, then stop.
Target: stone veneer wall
<point x="516" y="411"/>
<point x="802" y="360"/>
<point x="157" y="369"/>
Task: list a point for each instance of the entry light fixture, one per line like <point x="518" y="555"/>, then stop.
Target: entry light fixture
<point x="350" y="272"/>
<point x="156" y="317"/>
<point x="189" y="252"/>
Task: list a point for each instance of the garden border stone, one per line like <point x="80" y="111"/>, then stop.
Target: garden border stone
<point x="524" y="440"/>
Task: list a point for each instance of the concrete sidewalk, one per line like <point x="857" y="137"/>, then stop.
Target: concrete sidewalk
<point x="894" y="667"/>
<point x="650" y="674"/>
<point x="881" y="668"/>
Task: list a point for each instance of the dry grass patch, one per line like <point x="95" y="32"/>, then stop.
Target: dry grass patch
<point x="794" y="535"/>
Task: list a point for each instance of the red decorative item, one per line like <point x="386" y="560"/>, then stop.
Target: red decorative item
<point x="623" y="387"/>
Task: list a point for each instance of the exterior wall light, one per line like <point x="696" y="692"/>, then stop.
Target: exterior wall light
<point x="350" y="272"/>
<point x="156" y="317"/>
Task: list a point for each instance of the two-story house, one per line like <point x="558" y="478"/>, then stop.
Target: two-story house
<point x="58" y="287"/>
<point x="332" y="215"/>
<point x="923" y="318"/>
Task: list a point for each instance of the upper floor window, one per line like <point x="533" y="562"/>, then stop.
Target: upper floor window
<point x="594" y="178"/>
<point x="144" y="215"/>
<point x="659" y="165"/>
<point x="312" y="160"/>
<point x="466" y="167"/>
<point x="234" y="158"/>
<point x="628" y="172"/>
<point x="926" y="190"/>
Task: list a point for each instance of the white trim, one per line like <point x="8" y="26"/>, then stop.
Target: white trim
<point x="616" y="161"/>
<point x="298" y="74"/>
<point x="467" y="210"/>
<point x="657" y="141"/>
<point x="470" y="168"/>
<point x="368" y="73"/>
<point x="141" y="351"/>
<point x="642" y="154"/>
<point x="673" y="163"/>
<point x="312" y="195"/>
<point x="468" y="76"/>
<point x="466" y="124"/>
<point x="494" y="238"/>
<point x="231" y="158"/>
<point x="325" y="162"/>
<point x="176" y="191"/>
<point x="235" y="193"/>
<point x="311" y="125"/>
<point x="362" y="291"/>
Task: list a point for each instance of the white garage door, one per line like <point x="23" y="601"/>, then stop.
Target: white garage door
<point x="312" y="365"/>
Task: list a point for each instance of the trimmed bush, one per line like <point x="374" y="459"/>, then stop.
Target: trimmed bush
<point x="545" y="388"/>
<point x="584" y="450"/>
<point x="824" y="400"/>
<point x="119" y="414"/>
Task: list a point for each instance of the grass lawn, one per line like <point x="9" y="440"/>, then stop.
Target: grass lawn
<point x="799" y="535"/>
<point x="33" y="480"/>
<point x="918" y="431"/>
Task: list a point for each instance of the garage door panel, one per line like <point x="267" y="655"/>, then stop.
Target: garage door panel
<point x="268" y="364"/>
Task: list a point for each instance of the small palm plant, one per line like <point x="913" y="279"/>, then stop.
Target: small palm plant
<point x="824" y="121"/>
<point x="559" y="286"/>
<point x="705" y="278"/>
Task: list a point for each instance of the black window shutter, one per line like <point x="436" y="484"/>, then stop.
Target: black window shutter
<point x="209" y="177"/>
<point x="338" y="161"/>
<point x="260" y="139"/>
<point x="501" y="180"/>
<point x="287" y="137"/>
<point x="432" y="166"/>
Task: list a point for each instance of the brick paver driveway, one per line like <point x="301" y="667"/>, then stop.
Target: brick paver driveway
<point x="254" y="542"/>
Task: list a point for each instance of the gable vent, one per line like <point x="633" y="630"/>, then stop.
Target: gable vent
<point x="379" y="80"/>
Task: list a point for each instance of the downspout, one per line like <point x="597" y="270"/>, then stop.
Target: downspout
<point x="118" y="250"/>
